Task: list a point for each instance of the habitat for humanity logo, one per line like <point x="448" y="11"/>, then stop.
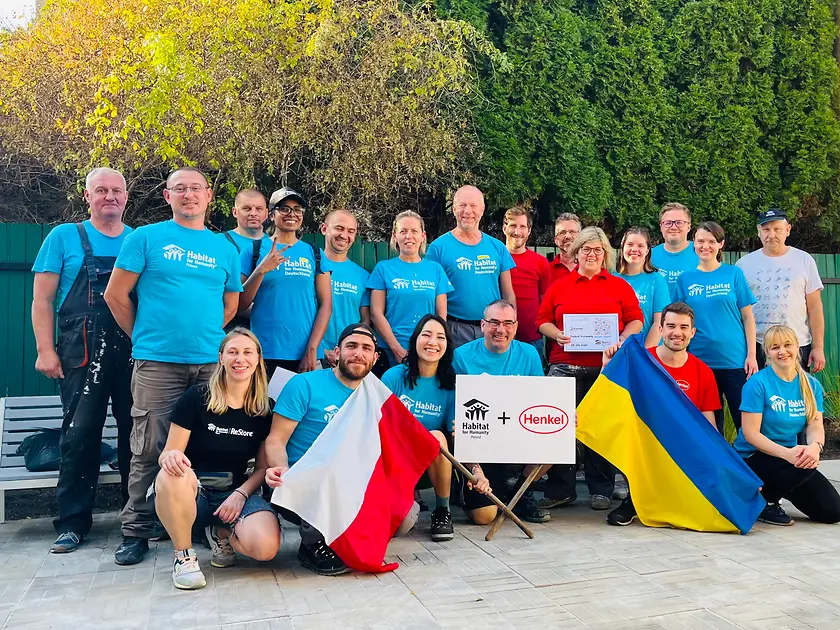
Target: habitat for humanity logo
<point x="229" y="431"/>
<point x="484" y="264"/>
<point x="695" y="289"/>
<point x="399" y="283"/>
<point x="476" y="410"/>
<point x="173" y="252"/>
<point x="329" y="412"/>
<point x="299" y="267"/>
<point x="408" y="402"/>
<point x="194" y="259"/>
<point x="464" y="264"/>
<point x="778" y="403"/>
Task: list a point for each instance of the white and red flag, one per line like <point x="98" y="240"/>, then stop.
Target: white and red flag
<point x="356" y="482"/>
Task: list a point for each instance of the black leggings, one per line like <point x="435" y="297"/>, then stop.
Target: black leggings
<point x="729" y="384"/>
<point x="807" y="489"/>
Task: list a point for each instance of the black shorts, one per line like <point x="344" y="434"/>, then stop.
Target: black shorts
<point x="499" y="476"/>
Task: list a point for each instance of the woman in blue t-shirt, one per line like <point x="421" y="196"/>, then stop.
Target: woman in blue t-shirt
<point x="778" y="403"/>
<point x="406" y="288"/>
<point x="425" y="383"/>
<point x="723" y="314"/>
<point x="651" y="288"/>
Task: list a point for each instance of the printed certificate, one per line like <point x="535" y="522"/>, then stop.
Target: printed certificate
<point x="590" y="333"/>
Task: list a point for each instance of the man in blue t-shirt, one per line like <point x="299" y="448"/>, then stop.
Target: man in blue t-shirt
<point x="498" y="353"/>
<point x="187" y="283"/>
<point x="92" y="360"/>
<point x="350" y="298"/>
<point x="676" y="255"/>
<point x="477" y="265"/>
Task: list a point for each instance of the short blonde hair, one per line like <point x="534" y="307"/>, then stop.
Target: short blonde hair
<point x="593" y="233"/>
<point x="674" y="205"/>
<point x="518" y="211"/>
<point x="407" y="214"/>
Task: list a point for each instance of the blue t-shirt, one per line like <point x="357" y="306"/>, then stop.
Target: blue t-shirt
<point x="311" y="399"/>
<point x="781" y="406"/>
<point x="61" y="253"/>
<point x="652" y="291"/>
<point x="521" y="359"/>
<point x="432" y="406"/>
<point x="717" y="298"/>
<point x="672" y="266"/>
<point x="349" y="294"/>
<point x="285" y="304"/>
<point x="473" y="270"/>
<point x="242" y="242"/>
<point x="184" y="275"/>
<point x="410" y="292"/>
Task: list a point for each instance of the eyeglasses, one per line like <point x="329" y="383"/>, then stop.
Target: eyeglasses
<point x="182" y="190"/>
<point x="598" y="251"/>
<point x="287" y="211"/>
<point x="495" y="323"/>
<point x="677" y="223"/>
<point x="564" y="232"/>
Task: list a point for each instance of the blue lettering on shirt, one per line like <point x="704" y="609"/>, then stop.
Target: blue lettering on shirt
<point x="653" y="294"/>
<point x="521" y="359"/>
<point x="432" y="406"/>
<point x="184" y="275"/>
<point x="61" y="253"/>
<point x="349" y="294"/>
<point x="672" y="266"/>
<point x="473" y="270"/>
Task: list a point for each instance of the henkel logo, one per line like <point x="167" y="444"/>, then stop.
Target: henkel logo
<point x="684" y="385"/>
<point x="544" y="419"/>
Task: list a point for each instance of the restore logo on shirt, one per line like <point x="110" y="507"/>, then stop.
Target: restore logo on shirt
<point x="229" y="431"/>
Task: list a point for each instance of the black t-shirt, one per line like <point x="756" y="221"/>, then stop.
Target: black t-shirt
<point x="220" y="443"/>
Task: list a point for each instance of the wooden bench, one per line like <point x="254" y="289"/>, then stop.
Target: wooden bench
<point x="24" y="416"/>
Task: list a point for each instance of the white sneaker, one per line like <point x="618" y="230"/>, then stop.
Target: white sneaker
<point x="223" y="553"/>
<point x="186" y="574"/>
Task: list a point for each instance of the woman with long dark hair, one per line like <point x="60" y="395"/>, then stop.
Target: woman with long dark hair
<point x="425" y="383"/>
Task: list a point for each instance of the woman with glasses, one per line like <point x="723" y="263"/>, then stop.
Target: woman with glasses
<point x="722" y="301"/>
<point x="425" y="383"/>
<point x="589" y="290"/>
<point x="651" y="288"/>
<point x="290" y="291"/>
<point x="406" y="288"/>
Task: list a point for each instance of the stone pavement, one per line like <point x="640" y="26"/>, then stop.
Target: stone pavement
<point x="578" y="572"/>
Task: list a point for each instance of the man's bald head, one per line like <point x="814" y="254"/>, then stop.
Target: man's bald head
<point x="249" y="193"/>
<point x="339" y="228"/>
<point x="468" y="207"/>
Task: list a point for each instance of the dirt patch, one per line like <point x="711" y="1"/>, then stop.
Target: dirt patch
<point x="40" y="502"/>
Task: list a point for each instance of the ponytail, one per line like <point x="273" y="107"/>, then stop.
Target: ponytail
<point x="807" y="393"/>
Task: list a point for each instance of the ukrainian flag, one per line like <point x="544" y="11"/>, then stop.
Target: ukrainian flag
<point x="682" y="473"/>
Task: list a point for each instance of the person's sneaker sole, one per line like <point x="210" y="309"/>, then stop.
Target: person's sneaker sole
<point x="549" y="504"/>
<point x="776" y="523"/>
<point x="442" y="537"/>
<point x="187" y="587"/>
<point x="621" y="523"/>
<point x="308" y="565"/>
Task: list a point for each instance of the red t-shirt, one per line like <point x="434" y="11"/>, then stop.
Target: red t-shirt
<point x="577" y="294"/>
<point x="558" y="269"/>
<point x="530" y="279"/>
<point x="696" y="379"/>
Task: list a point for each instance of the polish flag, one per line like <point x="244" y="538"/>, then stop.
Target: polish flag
<point x="356" y="482"/>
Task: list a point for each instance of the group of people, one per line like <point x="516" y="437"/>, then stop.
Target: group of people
<point x="142" y="316"/>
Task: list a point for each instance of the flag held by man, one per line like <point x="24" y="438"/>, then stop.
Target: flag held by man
<point x="681" y="471"/>
<point x="356" y="482"/>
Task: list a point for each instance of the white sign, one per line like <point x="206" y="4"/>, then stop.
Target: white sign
<point x="278" y="382"/>
<point x="515" y="419"/>
<point x="590" y="333"/>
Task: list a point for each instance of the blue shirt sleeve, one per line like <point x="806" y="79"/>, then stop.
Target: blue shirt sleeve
<point x="458" y="364"/>
<point x="377" y="278"/>
<point x="246" y="259"/>
<point x="133" y="253"/>
<point x="444" y="286"/>
<point x="51" y="255"/>
<point x="365" y="298"/>
<point x="433" y="253"/>
<point x="661" y="294"/>
<point x="507" y="259"/>
<point x="753" y="395"/>
<point x="294" y="399"/>
<point x="234" y="280"/>
<point x="743" y="294"/>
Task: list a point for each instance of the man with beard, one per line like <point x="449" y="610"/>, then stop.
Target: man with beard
<point x="694" y="378"/>
<point x="787" y="285"/>
<point x="566" y="229"/>
<point x="308" y="402"/>
<point x="251" y="213"/>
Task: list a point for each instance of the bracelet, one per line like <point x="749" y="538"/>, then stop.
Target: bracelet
<point x="822" y="447"/>
<point x="242" y="493"/>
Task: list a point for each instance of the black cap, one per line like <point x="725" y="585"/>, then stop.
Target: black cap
<point x="358" y="329"/>
<point x="279" y="196"/>
<point x="773" y="214"/>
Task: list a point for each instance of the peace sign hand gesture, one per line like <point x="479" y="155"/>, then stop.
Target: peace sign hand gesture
<point x="273" y="259"/>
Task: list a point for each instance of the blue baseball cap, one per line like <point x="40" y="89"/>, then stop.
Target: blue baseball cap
<point x="773" y="214"/>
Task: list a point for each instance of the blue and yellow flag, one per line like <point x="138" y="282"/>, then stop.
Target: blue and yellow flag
<point x="682" y="473"/>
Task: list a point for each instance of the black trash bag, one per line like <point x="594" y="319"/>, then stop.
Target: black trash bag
<point x="41" y="451"/>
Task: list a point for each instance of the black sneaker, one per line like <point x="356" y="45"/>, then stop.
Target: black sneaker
<point x="529" y="510"/>
<point x="131" y="550"/>
<point x="547" y="503"/>
<point x="624" y="514"/>
<point x="442" y="525"/>
<point x="773" y="514"/>
<point x="66" y="542"/>
<point x="321" y="559"/>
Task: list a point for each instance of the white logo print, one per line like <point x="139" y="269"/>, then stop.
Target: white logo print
<point x="211" y="427"/>
<point x="465" y="264"/>
<point x="695" y="289"/>
<point x="330" y="412"/>
<point x="408" y="402"/>
<point x="778" y="403"/>
<point x="399" y="283"/>
<point x="173" y="252"/>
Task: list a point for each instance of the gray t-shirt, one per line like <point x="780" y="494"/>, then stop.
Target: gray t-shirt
<point x="780" y="284"/>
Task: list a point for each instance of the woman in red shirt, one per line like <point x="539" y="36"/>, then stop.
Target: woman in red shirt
<point x="588" y="290"/>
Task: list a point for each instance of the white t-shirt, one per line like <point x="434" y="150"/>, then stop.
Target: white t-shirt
<point x="780" y="284"/>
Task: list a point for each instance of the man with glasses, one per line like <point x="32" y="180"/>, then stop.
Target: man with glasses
<point x="676" y="255"/>
<point x="497" y="353"/>
<point x="477" y="265"/>
<point x="566" y="228"/>
<point x="187" y="284"/>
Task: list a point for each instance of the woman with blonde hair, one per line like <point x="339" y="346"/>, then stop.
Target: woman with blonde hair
<point x="777" y="404"/>
<point x="405" y="288"/>
<point x="203" y="488"/>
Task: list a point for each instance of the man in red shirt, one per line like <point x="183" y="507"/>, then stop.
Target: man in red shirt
<point x="566" y="228"/>
<point x="530" y="278"/>
<point x="694" y="377"/>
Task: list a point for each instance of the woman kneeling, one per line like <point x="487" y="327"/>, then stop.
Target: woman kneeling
<point x="777" y="404"/>
<point x="203" y="488"/>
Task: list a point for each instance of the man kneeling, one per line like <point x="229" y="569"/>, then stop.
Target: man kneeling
<point x="203" y="488"/>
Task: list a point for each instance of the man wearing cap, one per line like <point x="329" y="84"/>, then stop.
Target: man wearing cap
<point x="787" y="285"/>
<point x="187" y="282"/>
<point x="289" y="289"/>
<point x="306" y="405"/>
<point x="350" y="298"/>
<point x="477" y="265"/>
<point x="676" y="255"/>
